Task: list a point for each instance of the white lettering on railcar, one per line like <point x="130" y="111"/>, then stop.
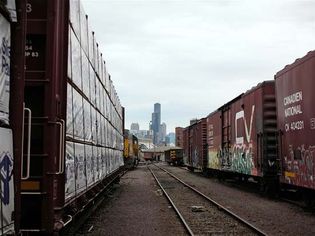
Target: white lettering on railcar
<point x="293" y="98"/>
<point x="293" y="107"/>
<point x="292" y="111"/>
<point x="28" y="7"/>
<point x="29" y="49"/>
<point x="241" y="115"/>
<point x="297" y="125"/>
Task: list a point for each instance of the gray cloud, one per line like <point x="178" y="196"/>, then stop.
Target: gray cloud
<point x="192" y="56"/>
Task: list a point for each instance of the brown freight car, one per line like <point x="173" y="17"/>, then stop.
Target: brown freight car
<point x="196" y="145"/>
<point x="179" y="139"/>
<point x="242" y="135"/>
<point x="239" y="138"/>
<point x="296" y="120"/>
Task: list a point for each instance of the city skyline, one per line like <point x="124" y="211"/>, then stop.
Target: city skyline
<point x="194" y="56"/>
<point x="157" y="130"/>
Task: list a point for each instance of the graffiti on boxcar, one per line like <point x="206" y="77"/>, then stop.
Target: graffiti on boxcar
<point x="195" y="158"/>
<point x="299" y="165"/>
<point x="214" y="159"/>
<point x="6" y="169"/>
<point x="242" y="158"/>
<point x="70" y="172"/>
<point x="5" y="58"/>
<point x="242" y="150"/>
<point x="225" y="156"/>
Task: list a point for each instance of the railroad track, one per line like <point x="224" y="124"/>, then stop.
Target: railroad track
<point x="200" y="214"/>
<point x="253" y="188"/>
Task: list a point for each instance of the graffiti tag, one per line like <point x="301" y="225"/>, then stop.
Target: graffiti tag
<point x="6" y="170"/>
<point x="5" y="58"/>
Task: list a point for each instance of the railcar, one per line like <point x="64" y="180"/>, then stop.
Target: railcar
<point x="179" y="137"/>
<point x="195" y="147"/>
<point x="296" y="122"/>
<point x="242" y="135"/>
<point x="63" y="136"/>
<point x="174" y="156"/>
<point x="239" y="138"/>
<point x="131" y="150"/>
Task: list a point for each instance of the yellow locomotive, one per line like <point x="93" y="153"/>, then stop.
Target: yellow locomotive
<point x="131" y="150"/>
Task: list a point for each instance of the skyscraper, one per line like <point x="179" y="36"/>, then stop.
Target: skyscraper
<point x="162" y="132"/>
<point x="134" y="126"/>
<point x="156" y="122"/>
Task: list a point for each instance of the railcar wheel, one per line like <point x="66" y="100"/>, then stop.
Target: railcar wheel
<point x="308" y="199"/>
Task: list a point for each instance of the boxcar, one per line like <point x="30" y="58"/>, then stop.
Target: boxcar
<point x="174" y="156"/>
<point x="239" y="138"/>
<point x="242" y="135"/>
<point x="179" y="137"/>
<point x="196" y="145"/>
<point x="249" y="131"/>
<point x="296" y="120"/>
<point x="68" y="141"/>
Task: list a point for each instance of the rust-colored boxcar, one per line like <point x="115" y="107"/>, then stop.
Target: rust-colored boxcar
<point x="296" y="120"/>
<point x="250" y="132"/>
<point x="242" y="135"/>
<point x="179" y="139"/>
<point x="196" y="149"/>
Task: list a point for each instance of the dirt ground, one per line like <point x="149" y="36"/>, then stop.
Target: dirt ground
<point x="136" y="207"/>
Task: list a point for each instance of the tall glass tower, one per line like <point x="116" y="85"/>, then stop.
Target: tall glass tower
<point x="156" y="122"/>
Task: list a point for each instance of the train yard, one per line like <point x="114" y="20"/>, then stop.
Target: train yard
<point x="262" y="215"/>
<point x="68" y="165"/>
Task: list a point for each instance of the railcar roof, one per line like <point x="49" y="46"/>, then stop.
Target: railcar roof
<point x="297" y="62"/>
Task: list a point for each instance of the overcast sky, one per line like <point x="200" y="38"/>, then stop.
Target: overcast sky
<point x="192" y="56"/>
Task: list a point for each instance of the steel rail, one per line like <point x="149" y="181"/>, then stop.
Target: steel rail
<point x="173" y="204"/>
<point x="245" y="222"/>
